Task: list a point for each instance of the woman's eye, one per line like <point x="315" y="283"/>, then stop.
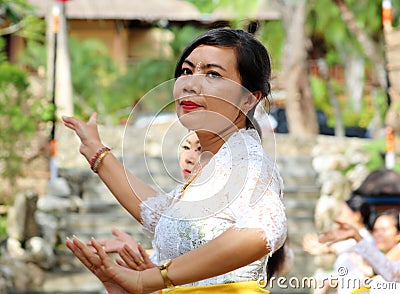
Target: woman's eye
<point x="185" y="147"/>
<point x="213" y="74"/>
<point x="198" y="148"/>
<point x="186" y="71"/>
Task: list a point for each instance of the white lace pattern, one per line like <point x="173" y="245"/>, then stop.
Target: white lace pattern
<point x="389" y="270"/>
<point x="240" y="187"/>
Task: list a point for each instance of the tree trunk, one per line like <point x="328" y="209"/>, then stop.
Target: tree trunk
<point x="300" y="110"/>
<point x="370" y="48"/>
<point x="339" y="127"/>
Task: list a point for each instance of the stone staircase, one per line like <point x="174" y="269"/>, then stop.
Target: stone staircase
<point x="300" y="197"/>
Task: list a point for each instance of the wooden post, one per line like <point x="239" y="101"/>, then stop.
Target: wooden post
<point x="392" y="51"/>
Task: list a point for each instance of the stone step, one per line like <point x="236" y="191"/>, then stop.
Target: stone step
<point x="99" y="226"/>
<point x="301" y="193"/>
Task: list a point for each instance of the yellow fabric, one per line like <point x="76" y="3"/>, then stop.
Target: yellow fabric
<point x="239" y="288"/>
<point x="363" y="290"/>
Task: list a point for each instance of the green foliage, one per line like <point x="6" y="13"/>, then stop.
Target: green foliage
<point x="14" y="10"/>
<point x="97" y="83"/>
<point x="319" y="92"/>
<point x="205" y="6"/>
<point x="324" y="22"/>
<point x="240" y="9"/>
<point x="350" y="118"/>
<point x="272" y="35"/>
<point x="93" y="72"/>
<point x="3" y="227"/>
<point x="376" y="150"/>
<point x="148" y="73"/>
<point x="19" y="116"/>
<point x="360" y="119"/>
<point x="17" y="16"/>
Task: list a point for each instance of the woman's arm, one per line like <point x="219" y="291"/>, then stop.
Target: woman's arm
<point x="233" y="249"/>
<point x="127" y="189"/>
<point x="389" y="270"/>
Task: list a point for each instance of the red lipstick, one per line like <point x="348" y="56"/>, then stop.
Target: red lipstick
<point x="189" y="105"/>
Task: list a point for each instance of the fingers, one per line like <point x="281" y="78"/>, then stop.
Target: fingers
<point x="100" y="250"/>
<point x="93" y="118"/>
<point x="324" y="237"/>
<point x="134" y="260"/>
<point x="121" y="263"/>
<point x="131" y="258"/>
<point x="83" y="253"/>
<point x="143" y="253"/>
<point x="69" y="122"/>
<point x="115" y="232"/>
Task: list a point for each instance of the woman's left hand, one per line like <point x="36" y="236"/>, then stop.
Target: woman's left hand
<point x="131" y="259"/>
<point x="115" y="278"/>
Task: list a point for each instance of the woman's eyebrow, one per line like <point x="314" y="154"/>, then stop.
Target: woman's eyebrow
<point x="188" y="62"/>
<point x="208" y="65"/>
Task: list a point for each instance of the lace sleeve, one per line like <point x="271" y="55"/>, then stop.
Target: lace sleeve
<point x="268" y="216"/>
<point x="389" y="270"/>
<point x="260" y="206"/>
<point x="153" y="208"/>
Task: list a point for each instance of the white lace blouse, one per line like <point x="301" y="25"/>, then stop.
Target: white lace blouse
<point x="240" y="187"/>
<point x="389" y="270"/>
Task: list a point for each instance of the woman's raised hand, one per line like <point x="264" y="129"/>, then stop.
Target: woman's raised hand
<point x="343" y="232"/>
<point x="313" y="246"/>
<point x="115" y="278"/>
<point x="87" y="133"/>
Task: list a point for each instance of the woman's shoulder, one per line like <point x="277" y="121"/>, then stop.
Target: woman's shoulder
<point x="245" y="144"/>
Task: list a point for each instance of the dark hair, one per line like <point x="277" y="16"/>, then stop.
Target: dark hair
<point x="393" y="212"/>
<point x="275" y="262"/>
<point x="253" y="62"/>
<point x="358" y="203"/>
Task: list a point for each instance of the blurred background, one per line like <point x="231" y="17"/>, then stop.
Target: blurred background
<point x="333" y="116"/>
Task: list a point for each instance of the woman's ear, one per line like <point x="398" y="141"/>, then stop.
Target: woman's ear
<point x="251" y="99"/>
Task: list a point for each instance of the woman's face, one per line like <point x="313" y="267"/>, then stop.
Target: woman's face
<point x="208" y="94"/>
<point x="385" y="233"/>
<point x="349" y="216"/>
<point x="190" y="154"/>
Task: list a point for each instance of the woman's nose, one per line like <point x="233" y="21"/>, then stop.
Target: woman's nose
<point x="190" y="158"/>
<point x="193" y="84"/>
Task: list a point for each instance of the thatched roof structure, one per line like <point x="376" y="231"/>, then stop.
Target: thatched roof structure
<point x="148" y="10"/>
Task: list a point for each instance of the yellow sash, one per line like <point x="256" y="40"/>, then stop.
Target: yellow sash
<point x="238" y="288"/>
<point x="362" y="290"/>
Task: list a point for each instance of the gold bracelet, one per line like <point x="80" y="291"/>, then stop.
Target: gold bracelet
<point x="99" y="160"/>
<point x="163" y="266"/>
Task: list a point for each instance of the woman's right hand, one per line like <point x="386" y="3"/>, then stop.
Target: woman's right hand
<point x="116" y="279"/>
<point x="343" y="232"/>
<point x="87" y="133"/>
